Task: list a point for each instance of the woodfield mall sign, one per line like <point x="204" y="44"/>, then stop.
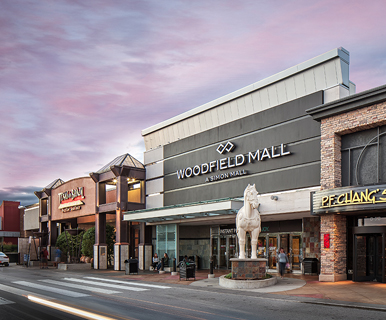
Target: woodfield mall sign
<point x="349" y="199"/>
<point x="213" y="169"/>
<point x="71" y="200"/>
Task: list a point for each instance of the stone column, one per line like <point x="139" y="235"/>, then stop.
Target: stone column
<point x="100" y="247"/>
<point x="121" y="253"/>
<point x="333" y="259"/>
<point x="145" y="256"/>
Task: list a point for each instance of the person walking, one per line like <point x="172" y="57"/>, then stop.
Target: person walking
<point x="283" y="260"/>
<point x="58" y="255"/>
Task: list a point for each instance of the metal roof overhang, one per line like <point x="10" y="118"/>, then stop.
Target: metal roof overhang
<point x="210" y="209"/>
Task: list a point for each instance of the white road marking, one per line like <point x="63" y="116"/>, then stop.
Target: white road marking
<point x="105" y="284"/>
<point x="130" y="283"/>
<point x="51" y="289"/>
<point x="78" y="286"/>
<point x="21" y="292"/>
<point x="5" y="301"/>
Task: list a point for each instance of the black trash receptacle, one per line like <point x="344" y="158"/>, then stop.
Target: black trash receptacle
<point x="310" y="266"/>
<point x="131" y="266"/>
<point x="187" y="270"/>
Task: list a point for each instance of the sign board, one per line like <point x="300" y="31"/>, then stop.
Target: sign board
<point x="349" y="199"/>
<point x="71" y="200"/>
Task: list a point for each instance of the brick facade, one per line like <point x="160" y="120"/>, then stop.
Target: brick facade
<point x="333" y="259"/>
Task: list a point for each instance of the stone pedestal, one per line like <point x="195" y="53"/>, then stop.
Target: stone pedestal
<point x="248" y="269"/>
<point x="121" y="253"/>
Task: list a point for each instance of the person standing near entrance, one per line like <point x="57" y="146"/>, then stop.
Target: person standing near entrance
<point x="43" y="258"/>
<point x="283" y="260"/>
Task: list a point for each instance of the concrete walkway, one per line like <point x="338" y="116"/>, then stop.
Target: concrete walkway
<point x="296" y="285"/>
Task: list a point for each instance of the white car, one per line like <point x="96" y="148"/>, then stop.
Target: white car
<point x="4" y="260"/>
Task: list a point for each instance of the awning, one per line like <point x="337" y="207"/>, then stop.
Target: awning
<point x="212" y="208"/>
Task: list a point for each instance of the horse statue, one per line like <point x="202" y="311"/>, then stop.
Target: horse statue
<point x="248" y="220"/>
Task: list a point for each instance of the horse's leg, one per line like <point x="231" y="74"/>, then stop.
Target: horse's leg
<point x="241" y="235"/>
<point x="254" y="236"/>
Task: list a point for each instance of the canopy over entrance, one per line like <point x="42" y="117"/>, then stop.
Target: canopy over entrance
<point x="183" y="212"/>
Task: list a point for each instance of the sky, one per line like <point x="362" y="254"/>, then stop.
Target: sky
<point x="80" y="79"/>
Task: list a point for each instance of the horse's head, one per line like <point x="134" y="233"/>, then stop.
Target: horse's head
<point x="250" y="195"/>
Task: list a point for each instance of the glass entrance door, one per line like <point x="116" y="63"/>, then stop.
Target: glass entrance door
<point x="295" y="252"/>
<point x="369" y="257"/>
<point x="272" y="252"/>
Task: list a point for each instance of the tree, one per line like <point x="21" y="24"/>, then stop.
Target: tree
<point x="89" y="241"/>
<point x="68" y="244"/>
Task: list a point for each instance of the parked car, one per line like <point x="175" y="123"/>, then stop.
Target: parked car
<point x="4" y="260"/>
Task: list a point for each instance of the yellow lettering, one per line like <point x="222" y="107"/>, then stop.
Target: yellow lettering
<point x="356" y="198"/>
<point x="371" y="196"/>
<point x="364" y="196"/>
<point x="383" y="193"/>
<point x="331" y="200"/>
<point x="324" y="201"/>
<point x="340" y="200"/>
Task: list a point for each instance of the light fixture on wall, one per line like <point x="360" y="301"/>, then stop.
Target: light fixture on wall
<point x="274" y="198"/>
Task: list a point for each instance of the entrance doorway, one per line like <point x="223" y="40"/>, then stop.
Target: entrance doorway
<point x="369" y="254"/>
<point x="227" y="250"/>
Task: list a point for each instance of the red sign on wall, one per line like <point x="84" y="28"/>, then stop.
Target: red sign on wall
<point x="326" y="240"/>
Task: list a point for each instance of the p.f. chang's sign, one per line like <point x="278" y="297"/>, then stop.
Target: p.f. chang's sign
<point x="71" y="200"/>
<point x="348" y="199"/>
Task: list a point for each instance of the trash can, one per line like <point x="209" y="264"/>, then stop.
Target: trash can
<point x="131" y="266"/>
<point x="310" y="266"/>
<point x="187" y="270"/>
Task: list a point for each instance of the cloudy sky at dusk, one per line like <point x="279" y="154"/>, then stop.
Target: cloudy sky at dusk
<point x="80" y="79"/>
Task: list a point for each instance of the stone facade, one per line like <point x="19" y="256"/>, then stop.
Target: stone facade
<point x="333" y="259"/>
<point x="248" y="269"/>
<point x="333" y="128"/>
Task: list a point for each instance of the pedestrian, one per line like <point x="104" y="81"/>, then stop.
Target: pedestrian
<point x="43" y="258"/>
<point x="58" y="255"/>
<point x="283" y="260"/>
<point x="155" y="261"/>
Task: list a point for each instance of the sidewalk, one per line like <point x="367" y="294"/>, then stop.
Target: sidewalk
<point x="296" y="285"/>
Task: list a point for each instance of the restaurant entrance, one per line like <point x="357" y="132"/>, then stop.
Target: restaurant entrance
<point x="369" y="254"/>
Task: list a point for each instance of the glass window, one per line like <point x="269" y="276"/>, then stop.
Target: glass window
<point x="166" y="240"/>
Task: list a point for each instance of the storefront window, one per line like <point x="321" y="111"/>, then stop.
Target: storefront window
<point x="166" y="240"/>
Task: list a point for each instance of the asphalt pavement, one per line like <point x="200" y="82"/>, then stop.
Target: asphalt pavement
<point x="363" y="295"/>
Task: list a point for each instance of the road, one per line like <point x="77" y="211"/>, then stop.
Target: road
<point x="30" y="293"/>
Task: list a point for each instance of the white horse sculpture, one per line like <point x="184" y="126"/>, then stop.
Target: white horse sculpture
<point x="248" y="220"/>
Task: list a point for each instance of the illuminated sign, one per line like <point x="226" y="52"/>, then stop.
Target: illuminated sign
<point x="231" y="162"/>
<point x="349" y="199"/>
<point x="71" y="200"/>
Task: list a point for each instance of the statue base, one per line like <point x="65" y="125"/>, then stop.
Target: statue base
<point x="249" y="269"/>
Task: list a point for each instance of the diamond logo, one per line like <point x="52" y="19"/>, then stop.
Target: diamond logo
<point x="229" y="146"/>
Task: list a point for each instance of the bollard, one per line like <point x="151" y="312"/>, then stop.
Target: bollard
<point x="211" y="267"/>
<point x="174" y="265"/>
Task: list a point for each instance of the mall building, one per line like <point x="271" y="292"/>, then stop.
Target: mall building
<point x="199" y="163"/>
<point x="100" y="199"/>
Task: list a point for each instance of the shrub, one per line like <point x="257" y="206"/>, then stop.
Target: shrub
<point x="8" y="247"/>
<point x="89" y="241"/>
<point x="229" y="275"/>
<point x="68" y="244"/>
